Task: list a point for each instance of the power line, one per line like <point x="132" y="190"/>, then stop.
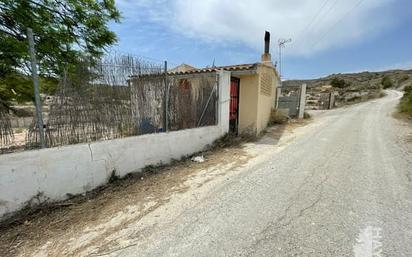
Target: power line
<point x="310" y="28"/>
<point x="313" y="20"/>
<point x="329" y="10"/>
<point x="337" y="22"/>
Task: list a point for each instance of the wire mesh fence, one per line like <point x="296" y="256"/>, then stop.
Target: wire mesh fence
<point x="200" y="93"/>
<point x="6" y="132"/>
<point x="121" y="96"/>
<point x="191" y="102"/>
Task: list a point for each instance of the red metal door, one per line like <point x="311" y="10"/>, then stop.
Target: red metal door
<point x="234" y="104"/>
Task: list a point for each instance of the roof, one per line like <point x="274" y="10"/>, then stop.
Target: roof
<point x="182" y="68"/>
<point x="239" y="67"/>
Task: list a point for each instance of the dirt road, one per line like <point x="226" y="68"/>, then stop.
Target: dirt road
<point x="340" y="186"/>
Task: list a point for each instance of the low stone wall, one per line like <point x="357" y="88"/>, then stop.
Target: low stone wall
<point x="54" y="174"/>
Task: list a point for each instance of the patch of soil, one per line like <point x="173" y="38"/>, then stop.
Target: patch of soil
<point x="403" y="116"/>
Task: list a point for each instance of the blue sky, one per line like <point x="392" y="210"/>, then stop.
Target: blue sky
<point x="328" y="36"/>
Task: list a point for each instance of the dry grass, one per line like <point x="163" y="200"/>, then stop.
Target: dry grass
<point x="306" y="116"/>
<point x="277" y="118"/>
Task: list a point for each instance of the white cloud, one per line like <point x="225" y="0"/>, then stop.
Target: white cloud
<point x="397" y="66"/>
<point x="244" y="21"/>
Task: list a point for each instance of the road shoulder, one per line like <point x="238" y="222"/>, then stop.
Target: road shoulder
<point x="100" y="221"/>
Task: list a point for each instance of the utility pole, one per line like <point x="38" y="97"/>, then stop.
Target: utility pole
<point x="35" y="77"/>
<point x="281" y="43"/>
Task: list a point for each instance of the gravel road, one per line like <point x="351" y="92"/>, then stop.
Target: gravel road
<point x="341" y="188"/>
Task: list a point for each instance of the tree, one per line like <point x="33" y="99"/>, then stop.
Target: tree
<point x="18" y="87"/>
<point x="339" y="83"/>
<point x="64" y="30"/>
<point x="386" y="82"/>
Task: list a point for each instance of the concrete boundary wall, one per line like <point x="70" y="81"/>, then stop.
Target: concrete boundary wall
<point x="55" y="173"/>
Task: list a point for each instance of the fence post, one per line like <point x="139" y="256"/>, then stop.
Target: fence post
<point x="35" y="77"/>
<point x="166" y="102"/>
<point x="224" y="100"/>
<point x="302" y="101"/>
<point x="331" y="100"/>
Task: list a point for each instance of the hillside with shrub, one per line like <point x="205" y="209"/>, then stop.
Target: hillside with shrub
<point x="405" y="105"/>
<point x="356" y="87"/>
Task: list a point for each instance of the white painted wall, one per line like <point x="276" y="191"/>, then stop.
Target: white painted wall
<point x="75" y="169"/>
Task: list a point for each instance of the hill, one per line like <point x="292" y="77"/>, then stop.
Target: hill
<point x="355" y="87"/>
<point x="359" y="80"/>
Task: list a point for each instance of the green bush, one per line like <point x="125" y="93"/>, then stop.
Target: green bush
<point x="18" y="87"/>
<point x="405" y="105"/>
<point x="386" y="82"/>
<point x="339" y="83"/>
<point x="382" y="94"/>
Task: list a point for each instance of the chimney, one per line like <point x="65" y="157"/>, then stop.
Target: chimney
<point x="267" y="42"/>
<point x="266" y="57"/>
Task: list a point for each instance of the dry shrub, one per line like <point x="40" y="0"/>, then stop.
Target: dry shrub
<point x="277" y="118"/>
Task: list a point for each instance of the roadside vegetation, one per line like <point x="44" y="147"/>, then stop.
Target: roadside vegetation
<point x="353" y="88"/>
<point x="387" y="82"/>
<point x="277" y="118"/>
<point x="405" y="105"/>
<point x="306" y="116"/>
<point x="65" y="33"/>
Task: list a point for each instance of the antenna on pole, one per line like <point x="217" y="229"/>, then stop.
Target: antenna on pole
<point x="281" y="43"/>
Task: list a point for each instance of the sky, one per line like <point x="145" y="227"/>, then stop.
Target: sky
<point x="328" y="36"/>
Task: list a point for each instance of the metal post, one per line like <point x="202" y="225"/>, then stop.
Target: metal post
<point x="35" y="77"/>
<point x="166" y="118"/>
<point x="217" y="103"/>
<point x="282" y="43"/>
<point x="280" y="63"/>
<point x="208" y="101"/>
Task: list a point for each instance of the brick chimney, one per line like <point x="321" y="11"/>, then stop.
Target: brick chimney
<point x="266" y="57"/>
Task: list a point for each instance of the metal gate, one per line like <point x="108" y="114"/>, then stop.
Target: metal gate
<point x="292" y="101"/>
<point x="234" y="105"/>
<point x="290" y="104"/>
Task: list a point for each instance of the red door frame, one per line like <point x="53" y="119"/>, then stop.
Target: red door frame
<point x="234" y="104"/>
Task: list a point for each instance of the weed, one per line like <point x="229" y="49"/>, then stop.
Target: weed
<point x="113" y="177"/>
<point x="277" y="117"/>
<point x="405" y="105"/>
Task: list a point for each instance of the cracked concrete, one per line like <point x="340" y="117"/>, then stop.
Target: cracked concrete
<point x="109" y="168"/>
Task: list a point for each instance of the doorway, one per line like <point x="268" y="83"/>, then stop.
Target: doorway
<point x="234" y="105"/>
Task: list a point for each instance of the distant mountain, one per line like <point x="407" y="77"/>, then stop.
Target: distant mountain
<point x="359" y="80"/>
<point x="354" y="87"/>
